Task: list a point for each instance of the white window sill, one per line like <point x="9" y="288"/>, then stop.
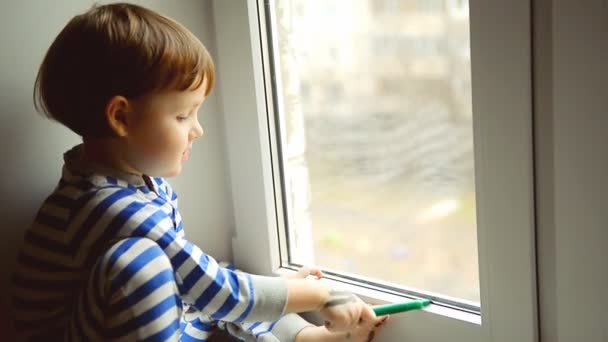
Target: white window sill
<point x="375" y="297"/>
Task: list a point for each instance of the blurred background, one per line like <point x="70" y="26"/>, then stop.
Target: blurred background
<point x="375" y="100"/>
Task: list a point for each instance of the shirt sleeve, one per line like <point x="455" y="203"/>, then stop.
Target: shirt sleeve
<point x="289" y="326"/>
<point x="217" y="292"/>
<point x="284" y="330"/>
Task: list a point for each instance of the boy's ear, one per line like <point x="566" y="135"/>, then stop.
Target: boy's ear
<point x="117" y="115"/>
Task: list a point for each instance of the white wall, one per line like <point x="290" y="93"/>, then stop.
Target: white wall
<point x="572" y="147"/>
<point x="31" y="146"/>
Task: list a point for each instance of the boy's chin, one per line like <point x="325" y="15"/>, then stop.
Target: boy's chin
<point x="176" y="171"/>
<point x="173" y="173"/>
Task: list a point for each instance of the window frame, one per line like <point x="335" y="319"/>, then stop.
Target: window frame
<point x="273" y="82"/>
<point x="500" y="36"/>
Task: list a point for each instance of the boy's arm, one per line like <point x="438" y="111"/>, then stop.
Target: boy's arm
<point x="217" y="292"/>
<point x="306" y="295"/>
<point x="285" y="329"/>
<point x="314" y="333"/>
<point x="224" y="294"/>
<point x="363" y="332"/>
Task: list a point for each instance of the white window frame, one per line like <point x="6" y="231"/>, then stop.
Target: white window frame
<point x="501" y="87"/>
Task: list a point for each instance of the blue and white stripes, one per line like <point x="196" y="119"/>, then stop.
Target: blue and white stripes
<point x="106" y="258"/>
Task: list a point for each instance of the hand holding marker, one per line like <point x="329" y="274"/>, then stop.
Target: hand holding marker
<point x="379" y="310"/>
<point x="387" y="309"/>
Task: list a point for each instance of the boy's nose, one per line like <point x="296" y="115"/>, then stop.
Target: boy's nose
<point x="198" y="130"/>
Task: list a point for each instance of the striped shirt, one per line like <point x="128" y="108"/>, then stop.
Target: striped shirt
<point x="91" y="208"/>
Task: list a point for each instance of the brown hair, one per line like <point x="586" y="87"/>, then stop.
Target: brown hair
<point x="117" y="49"/>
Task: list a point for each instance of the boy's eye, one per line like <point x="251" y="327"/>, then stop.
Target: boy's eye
<point x="182" y="117"/>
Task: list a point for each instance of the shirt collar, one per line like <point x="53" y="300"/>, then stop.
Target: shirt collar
<point x="76" y="166"/>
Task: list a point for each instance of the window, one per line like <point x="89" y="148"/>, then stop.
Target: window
<point x="377" y="176"/>
<point x="265" y="191"/>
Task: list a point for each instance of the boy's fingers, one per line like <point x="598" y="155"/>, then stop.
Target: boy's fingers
<point x="342" y="325"/>
<point x="367" y="314"/>
<point x="382" y="321"/>
<point x="331" y="326"/>
<point x="305" y="271"/>
<point x="317" y="273"/>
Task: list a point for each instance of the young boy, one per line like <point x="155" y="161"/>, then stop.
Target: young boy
<point x="106" y="257"/>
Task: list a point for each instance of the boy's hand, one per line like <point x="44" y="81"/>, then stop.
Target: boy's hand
<point x="363" y="332"/>
<point x="305" y="271"/>
<point x="344" y="311"/>
<point x="366" y="331"/>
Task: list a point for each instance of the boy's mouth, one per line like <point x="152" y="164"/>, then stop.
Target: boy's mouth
<point x="186" y="154"/>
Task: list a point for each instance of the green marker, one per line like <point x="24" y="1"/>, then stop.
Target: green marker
<point x="387" y="309"/>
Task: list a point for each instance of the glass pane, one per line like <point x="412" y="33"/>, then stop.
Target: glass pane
<point x="375" y="103"/>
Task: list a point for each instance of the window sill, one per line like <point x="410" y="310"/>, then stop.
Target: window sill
<point x="375" y="297"/>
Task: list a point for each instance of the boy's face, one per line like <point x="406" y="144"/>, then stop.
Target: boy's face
<point x="163" y="128"/>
